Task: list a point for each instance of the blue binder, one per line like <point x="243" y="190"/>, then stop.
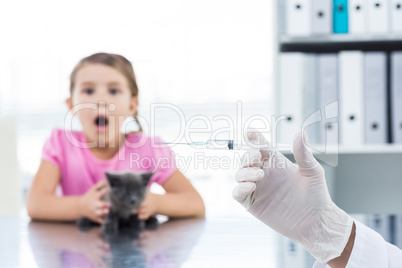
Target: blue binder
<point x="340" y="9"/>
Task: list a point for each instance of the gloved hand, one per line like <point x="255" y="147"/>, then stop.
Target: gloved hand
<point x="293" y="199"/>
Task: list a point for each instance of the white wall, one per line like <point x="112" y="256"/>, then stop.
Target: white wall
<point x="203" y="56"/>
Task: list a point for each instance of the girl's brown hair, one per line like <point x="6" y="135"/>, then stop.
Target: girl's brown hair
<point x="115" y="61"/>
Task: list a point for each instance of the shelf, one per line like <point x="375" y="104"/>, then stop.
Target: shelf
<point x="368" y="149"/>
<point x="336" y="43"/>
<point x="340" y="38"/>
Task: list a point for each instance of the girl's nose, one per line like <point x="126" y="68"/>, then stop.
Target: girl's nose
<point x="102" y="97"/>
<point x="102" y="104"/>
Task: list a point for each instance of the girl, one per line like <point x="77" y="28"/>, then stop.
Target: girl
<point x="103" y="90"/>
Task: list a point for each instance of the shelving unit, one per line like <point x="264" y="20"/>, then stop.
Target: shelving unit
<point x="368" y="178"/>
<point x="338" y="42"/>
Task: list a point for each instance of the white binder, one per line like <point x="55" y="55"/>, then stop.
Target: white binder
<point x="293" y="254"/>
<point x="378" y="18"/>
<point x="398" y="230"/>
<point x="328" y="92"/>
<point x="396" y="96"/>
<point x="322" y="17"/>
<point x="396" y="16"/>
<point x="351" y="98"/>
<point x="293" y="82"/>
<point x="282" y="15"/>
<point x="311" y="101"/>
<point x="375" y="97"/>
<point x="298" y="17"/>
<point x="358" y="11"/>
<point x="381" y="224"/>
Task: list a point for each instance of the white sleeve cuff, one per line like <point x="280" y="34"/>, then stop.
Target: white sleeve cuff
<point x="369" y="249"/>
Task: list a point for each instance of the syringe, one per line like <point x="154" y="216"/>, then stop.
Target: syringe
<point x="233" y="145"/>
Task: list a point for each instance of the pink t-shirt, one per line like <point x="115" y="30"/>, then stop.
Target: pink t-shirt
<point x="80" y="169"/>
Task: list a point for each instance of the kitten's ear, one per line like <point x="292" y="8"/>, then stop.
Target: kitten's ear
<point x="146" y="177"/>
<point x="113" y="179"/>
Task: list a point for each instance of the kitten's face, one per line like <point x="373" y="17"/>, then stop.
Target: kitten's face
<point x="128" y="189"/>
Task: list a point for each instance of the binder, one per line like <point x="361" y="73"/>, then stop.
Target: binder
<point x="290" y="95"/>
<point x="298" y="19"/>
<point x="358" y="11"/>
<point x="396" y="97"/>
<point x="282" y="15"/>
<point x="378" y="16"/>
<point x="328" y="92"/>
<point x="375" y="97"/>
<point x="296" y="82"/>
<point x="351" y="98"/>
<point x="381" y="224"/>
<point x="396" y="16"/>
<point x="340" y="17"/>
<point x="398" y="230"/>
<point x="322" y="17"/>
<point x="310" y="102"/>
<point x="294" y="255"/>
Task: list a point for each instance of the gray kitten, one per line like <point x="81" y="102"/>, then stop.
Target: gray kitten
<point x="127" y="191"/>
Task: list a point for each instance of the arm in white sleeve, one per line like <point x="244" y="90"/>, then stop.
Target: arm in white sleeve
<point x="370" y="250"/>
<point x="293" y="199"/>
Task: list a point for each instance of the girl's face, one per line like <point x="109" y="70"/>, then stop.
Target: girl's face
<point x="102" y="100"/>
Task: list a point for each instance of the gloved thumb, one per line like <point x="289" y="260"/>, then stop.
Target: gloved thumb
<point x="303" y="156"/>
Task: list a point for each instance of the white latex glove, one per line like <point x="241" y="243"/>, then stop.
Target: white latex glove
<point x="293" y="199"/>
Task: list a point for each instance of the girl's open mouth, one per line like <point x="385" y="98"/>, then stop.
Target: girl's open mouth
<point x="101" y="122"/>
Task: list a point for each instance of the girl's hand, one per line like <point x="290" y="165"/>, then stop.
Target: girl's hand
<point x="91" y="204"/>
<point x="148" y="207"/>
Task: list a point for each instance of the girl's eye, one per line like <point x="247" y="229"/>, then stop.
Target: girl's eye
<point x="88" y="91"/>
<point x="113" y="91"/>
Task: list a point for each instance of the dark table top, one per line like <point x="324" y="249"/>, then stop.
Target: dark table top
<point x="210" y="242"/>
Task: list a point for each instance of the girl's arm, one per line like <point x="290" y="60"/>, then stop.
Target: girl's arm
<point x="43" y="204"/>
<point x="181" y="200"/>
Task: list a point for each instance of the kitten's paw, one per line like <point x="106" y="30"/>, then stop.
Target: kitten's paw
<point x="132" y="222"/>
<point x="151" y="223"/>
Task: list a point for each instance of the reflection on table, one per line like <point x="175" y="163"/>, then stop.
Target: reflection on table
<point x="211" y="242"/>
<point x="64" y="245"/>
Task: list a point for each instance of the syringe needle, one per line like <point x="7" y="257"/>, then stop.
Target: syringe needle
<point x="172" y="143"/>
<point x="232" y="145"/>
